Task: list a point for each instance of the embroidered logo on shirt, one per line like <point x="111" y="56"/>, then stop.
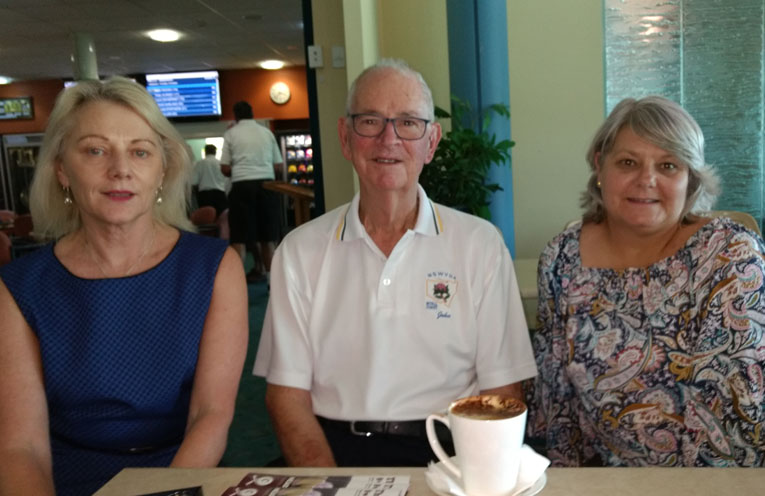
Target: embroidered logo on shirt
<point x="440" y="290"/>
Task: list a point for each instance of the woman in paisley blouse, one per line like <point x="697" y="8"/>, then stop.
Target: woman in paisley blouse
<point x="651" y="347"/>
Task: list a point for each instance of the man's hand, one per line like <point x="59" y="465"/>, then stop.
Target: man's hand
<point x="300" y="436"/>
<point x="225" y="169"/>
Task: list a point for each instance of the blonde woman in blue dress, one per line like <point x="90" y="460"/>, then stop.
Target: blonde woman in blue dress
<point x="121" y="342"/>
<point x="651" y="344"/>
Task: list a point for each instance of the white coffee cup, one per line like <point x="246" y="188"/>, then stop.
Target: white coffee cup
<point x="487" y="431"/>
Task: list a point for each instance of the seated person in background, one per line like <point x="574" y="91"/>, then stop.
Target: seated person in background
<point x="651" y="346"/>
<point x="121" y="343"/>
<point x="210" y="182"/>
<point x="388" y="308"/>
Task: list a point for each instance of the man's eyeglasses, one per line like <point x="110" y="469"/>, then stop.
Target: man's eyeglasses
<point x="373" y="125"/>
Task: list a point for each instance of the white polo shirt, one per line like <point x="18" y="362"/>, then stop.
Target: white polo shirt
<point x="397" y="338"/>
<point x="251" y="151"/>
<point x="207" y="175"/>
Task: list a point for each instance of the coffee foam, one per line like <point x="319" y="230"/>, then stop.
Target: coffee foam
<point x="488" y="407"/>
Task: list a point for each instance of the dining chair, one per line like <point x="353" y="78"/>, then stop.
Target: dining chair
<point x="204" y="219"/>
<point x="5" y="249"/>
<point x="223" y="229"/>
<point x="742" y="218"/>
<point x="22" y="226"/>
<point x="7" y="215"/>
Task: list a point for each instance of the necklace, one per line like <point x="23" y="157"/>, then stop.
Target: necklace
<point x="146" y="250"/>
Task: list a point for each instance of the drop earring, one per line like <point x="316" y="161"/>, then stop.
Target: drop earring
<point x="159" y="195"/>
<point x="67" y="196"/>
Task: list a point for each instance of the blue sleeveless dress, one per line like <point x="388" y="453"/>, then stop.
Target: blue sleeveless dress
<point x="118" y="356"/>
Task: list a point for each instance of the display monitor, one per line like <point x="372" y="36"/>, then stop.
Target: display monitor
<point x="186" y="94"/>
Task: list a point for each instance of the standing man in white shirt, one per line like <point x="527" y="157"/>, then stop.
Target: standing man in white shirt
<point x="209" y="181"/>
<point x="388" y="308"/>
<point x="250" y="156"/>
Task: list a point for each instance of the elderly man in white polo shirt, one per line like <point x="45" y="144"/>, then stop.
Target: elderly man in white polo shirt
<point x="388" y="308"/>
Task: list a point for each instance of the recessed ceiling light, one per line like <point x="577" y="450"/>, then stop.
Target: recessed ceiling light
<point x="5" y="80"/>
<point x="164" y="35"/>
<point x="272" y="64"/>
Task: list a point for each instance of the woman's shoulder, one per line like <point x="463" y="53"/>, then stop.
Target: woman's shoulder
<point x="722" y="234"/>
<point x="563" y="247"/>
<point x="37" y="261"/>
<point x="192" y="248"/>
<point x="195" y="241"/>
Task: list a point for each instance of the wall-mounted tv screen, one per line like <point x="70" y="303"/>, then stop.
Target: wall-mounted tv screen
<point x="17" y="108"/>
<point x="186" y="94"/>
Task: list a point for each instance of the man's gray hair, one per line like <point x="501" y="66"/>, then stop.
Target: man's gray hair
<point x="401" y="67"/>
<point x="663" y="123"/>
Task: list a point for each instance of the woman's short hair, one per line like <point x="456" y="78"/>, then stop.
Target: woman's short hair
<point x="667" y="125"/>
<point x="402" y="68"/>
<point x="52" y="219"/>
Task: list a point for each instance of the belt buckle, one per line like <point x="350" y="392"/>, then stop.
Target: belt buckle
<point x="359" y="433"/>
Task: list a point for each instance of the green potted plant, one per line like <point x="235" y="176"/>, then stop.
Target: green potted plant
<point x="457" y="175"/>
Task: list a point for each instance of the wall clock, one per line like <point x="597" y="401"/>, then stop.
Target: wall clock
<point x="280" y="93"/>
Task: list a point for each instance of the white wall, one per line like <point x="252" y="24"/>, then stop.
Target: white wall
<point x="557" y="103"/>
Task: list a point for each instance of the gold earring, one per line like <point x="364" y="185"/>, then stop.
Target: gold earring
<point x="598" y="184"/>
<point x="67" y="196"/>
<point x="159" y="195"/>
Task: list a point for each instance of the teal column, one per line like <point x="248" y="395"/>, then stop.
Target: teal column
<point x="478" y="73"/>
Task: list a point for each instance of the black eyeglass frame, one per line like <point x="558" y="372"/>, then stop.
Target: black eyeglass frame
<point x="386" y="120"/>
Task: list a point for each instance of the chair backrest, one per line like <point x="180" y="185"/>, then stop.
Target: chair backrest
<point x="742" y="218"/>
<point x="22" y="226"/>
<point x="5" y="249"/>
<point x="203" y="216"/>
<point x="223" y="229"/>
<point x="7" y="215"/>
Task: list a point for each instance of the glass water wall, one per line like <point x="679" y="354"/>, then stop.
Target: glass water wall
<point x="706" y="55"/>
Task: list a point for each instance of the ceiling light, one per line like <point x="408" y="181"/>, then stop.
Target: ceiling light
<point x="5" y="80"/>
<point x="163" y="35"/>
<point x="272" y="64"/>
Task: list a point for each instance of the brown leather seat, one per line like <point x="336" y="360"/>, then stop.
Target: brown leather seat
<point x="7" y="215"/>
<point x="5" y="249"/>
<point x="204" y="219"/>
<point x="22" y="226"/>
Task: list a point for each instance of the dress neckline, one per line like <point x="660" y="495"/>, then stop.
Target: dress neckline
<point x="689" y="244"/>
<point x="181" y="235"/>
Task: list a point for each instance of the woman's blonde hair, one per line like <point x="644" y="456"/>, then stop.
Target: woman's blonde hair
<point x="667" y="125"/>
<point x="52" y="219"/>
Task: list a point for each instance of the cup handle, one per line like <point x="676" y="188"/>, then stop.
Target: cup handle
<point x="430" y="428"/>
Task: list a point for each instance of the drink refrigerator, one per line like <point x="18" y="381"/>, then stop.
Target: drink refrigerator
<point x="20" y="153"/>
<point x="297" y="152"/>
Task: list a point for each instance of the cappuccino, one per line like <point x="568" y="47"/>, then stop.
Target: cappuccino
<point x="488" y="407"/>
<point x="488" y="435"/>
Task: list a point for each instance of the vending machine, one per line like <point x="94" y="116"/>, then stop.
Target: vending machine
<point x="20" y="153"/>
<point x="297" y="151"/>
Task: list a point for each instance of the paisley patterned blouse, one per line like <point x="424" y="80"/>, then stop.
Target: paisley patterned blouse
<point x="662" y="365"/>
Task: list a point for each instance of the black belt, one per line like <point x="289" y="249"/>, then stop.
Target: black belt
<point x="138" y="450"/>
<point x="367" y="428"/>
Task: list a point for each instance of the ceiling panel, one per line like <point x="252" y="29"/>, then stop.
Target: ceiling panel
<point x="36" y="36"/>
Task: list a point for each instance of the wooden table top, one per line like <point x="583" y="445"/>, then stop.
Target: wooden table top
<point x="560" y="481"/>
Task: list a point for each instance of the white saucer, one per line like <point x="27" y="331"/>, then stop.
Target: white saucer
<point x="529" y="491"/>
